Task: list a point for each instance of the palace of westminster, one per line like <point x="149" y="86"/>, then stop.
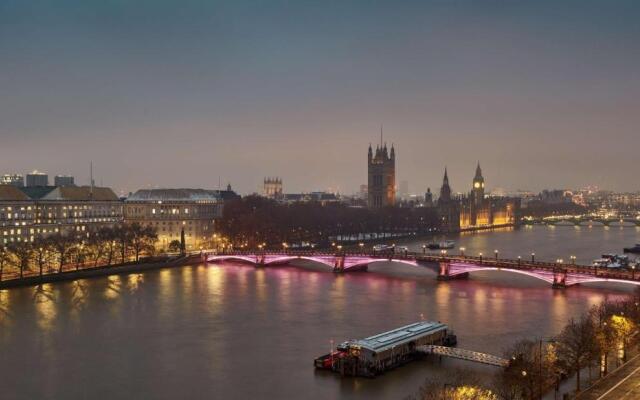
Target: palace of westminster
<point x="471" y="211"/>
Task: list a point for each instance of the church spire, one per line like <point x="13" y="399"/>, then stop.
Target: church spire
<point x="445" y="181"/>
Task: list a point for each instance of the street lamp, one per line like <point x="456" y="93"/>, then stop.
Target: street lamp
<point x="519" y="260"/>
<point x="480" y="256"/>
<point x="361" y="246"/>
<point x="533" y="257"/>
<point x="573" y="260"/>
<point x="496" y="253"/>
<point x="462" y="249"/>
<point x="424" y="248"/>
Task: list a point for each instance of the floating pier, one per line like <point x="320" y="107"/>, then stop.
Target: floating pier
<point x="382" y="352"/>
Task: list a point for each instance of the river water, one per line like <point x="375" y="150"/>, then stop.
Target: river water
<point x="235" y="332"/>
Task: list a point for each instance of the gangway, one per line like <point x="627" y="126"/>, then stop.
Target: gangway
<point x="463" y="354"/>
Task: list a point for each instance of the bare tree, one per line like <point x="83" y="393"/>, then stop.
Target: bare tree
<point x="22" y="252"/>
<point x="575" y="344"/>
<point x="62" y="244"/>
<point x="42" y="253"/>
<point x="5" y="259"/>
<point x="142" y="239"/>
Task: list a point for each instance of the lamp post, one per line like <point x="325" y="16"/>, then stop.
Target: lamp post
<point x="496" y="253"/>
<point x="633" y="272"/>
<point x="519" y="260"/>
<point x="533" y="257"/>
<point x="573" y="260"/>
<point x="462" y="249"/>
<point x="480" y="256"/>
<point x="424" y="249"/>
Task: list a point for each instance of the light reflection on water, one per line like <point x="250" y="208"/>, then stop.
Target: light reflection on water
<point x="236" y="331"/>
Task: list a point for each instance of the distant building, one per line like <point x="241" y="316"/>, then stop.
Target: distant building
<point x="173" y="211"/>
<point x="63" y="180"/>
<point x="428" y="198"/>
<point x="12" y="179"/>
<point x="404" y="190"/>
<point x="382" y="177"/>
<point x="364" y="192"/>
<point x="272" y="188"/>
<point x="475" y="210"/>
<point x="320" y="197"/>
<point x="26" y="213"/>
<point x="37" y="178"/>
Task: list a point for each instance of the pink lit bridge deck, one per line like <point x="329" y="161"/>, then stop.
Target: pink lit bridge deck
<point x="447" y="266"/>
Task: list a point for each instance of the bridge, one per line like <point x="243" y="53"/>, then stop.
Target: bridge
<point x="581" y="220"/>
<point x="559" y="275"/>
<point x="468" y="355"/>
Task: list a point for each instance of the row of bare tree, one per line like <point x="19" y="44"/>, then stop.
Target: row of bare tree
<point x="254" y="220"/>
<point x="51" y="253"/>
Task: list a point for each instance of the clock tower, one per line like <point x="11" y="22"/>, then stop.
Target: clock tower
<point x="478" y="186"/>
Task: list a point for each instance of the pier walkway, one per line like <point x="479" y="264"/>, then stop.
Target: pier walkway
<point x="468" y="355"/>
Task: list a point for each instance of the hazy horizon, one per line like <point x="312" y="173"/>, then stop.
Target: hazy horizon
<point x="188" y="94"/>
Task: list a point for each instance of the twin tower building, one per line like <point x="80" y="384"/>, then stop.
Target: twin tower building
<point x="460" y="212"/>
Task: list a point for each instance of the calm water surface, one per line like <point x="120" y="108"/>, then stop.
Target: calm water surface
<point x="234" y="332"/>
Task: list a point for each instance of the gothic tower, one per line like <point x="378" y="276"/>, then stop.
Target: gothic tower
<point x="445" y="190"/>
<point x="382" y="176"/>
<point x="478" y="187"/>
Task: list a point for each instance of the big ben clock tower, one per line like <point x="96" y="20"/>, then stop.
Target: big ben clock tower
<point x="478" y="187"/>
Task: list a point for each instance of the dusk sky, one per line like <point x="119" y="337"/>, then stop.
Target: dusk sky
<point x="546" y="94"/>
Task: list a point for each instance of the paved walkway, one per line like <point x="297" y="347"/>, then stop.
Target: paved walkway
<point x="621" y="384"/>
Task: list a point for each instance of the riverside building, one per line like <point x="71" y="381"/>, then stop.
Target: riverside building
<point x="28" y="212"/>
<point x="174" y="211"/>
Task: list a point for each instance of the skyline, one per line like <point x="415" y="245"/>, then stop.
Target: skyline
<point x="159" y="94"/>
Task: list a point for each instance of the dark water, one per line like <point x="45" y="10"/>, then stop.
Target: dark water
<point x="234" y="332"/>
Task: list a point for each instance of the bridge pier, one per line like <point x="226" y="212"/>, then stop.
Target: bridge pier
<point x="338" y="266"/>
<point x="260" y="261"/>
<point x="444" y="275"/>
<point x="559" y="279"/>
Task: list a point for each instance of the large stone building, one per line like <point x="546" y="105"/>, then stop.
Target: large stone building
<point x="272" y="188"/>
<point x="382" y="177"/>
<point x="173" y="211"/>
<point x="475" y="210"/>
<point x="28" y="212"/>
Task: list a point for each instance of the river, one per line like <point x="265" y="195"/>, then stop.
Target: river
<point x="235" y="332"/>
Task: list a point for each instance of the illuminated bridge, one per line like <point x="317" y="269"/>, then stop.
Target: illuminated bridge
<point x="582" y="220"/>
<point x="559" y="275"/>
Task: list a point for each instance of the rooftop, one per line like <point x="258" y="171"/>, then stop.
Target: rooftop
<point x="174" y="195"/>
<point x="398" y="336"/>
<point x="12" y="193"/>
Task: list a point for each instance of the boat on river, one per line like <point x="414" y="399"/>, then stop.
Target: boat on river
<point x="445" y="244"/>
<point x="635" y="249"/>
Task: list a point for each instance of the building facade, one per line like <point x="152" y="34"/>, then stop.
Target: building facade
<point x="475" y="210"/>
<point x="12" y="179"/>
<point x="272" y="188"/>
<point x="63" y="180"/>
<point x="37" y="178"/>
<point x="26" y="214"/>
<point x="382" y="177"/>
<point x="174" y="211"/>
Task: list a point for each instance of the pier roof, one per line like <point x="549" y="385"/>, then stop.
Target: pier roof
<point x="399" y="336"/>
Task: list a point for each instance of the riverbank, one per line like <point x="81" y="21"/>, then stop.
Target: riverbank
<point x="99" y="271"/>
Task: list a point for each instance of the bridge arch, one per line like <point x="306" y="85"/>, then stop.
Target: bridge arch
<point x="459" y="269"/>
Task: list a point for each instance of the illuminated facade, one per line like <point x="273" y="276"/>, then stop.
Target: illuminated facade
<point x="382" y="177"/>
<point x="173" y="211"/>
<point x="272" y="188"/>
<point x="26" y="213"/>
<point x="475" y="210"/>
